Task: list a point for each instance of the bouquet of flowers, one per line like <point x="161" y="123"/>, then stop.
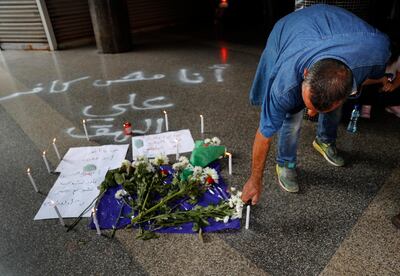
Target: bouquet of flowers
<point x="162" y="196"/>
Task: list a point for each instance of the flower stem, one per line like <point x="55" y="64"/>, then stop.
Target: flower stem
<point x="155" y="207"/>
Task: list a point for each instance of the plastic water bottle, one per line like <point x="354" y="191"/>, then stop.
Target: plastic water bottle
<point x="355" y="114"/>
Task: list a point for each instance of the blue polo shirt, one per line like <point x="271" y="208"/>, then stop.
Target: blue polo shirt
<point x="300" y="39"/>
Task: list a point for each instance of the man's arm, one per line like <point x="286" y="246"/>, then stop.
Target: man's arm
<point x="382" y="81"/>
<point x="253" y="187"/>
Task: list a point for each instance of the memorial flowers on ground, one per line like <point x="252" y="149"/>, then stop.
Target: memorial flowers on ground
<point x="159" y="194"/>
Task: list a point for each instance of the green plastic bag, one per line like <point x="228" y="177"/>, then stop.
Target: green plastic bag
<point x="203" y="154"/>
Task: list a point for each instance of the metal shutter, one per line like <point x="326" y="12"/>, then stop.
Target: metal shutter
<point x="358" y="7"/>
<point x="145" y="14"/>
<point x="20" y="23"/>
<point x="71" y="22"/>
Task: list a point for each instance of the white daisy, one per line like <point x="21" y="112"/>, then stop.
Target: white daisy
<point x="120" y="194"/>
<point x="197" y="170"/>
<point x="160" y="159"/>
<point x="226" y="219"/>
<point x="126" y="163"/>
<point x="207" y="141"/>
<point x="216" y="141"/>
<point x="150" y="168"/>
<point x="184" y="160"/>
<point x="208" y="172"/>
<point x="236" y="202"/>
<point x="140" y="160"/>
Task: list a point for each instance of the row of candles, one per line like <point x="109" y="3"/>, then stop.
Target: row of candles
<point x="167" y="125"/>
<point x="95" y="221"/>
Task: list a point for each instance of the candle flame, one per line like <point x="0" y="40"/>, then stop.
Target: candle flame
<point x="83" y="121"/>
<point x="201" y="116"/>
<point x="54" y="140"/>
<point x="228" y="154"/>
<point x="165" y="112"/>
<point x="28" y="170"/>
<point x="52" y="202"/>
<point x="44" y="152"/>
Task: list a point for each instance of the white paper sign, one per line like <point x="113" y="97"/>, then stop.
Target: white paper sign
<point x="82" y="171"/>
<point x="163" y="143"/>
<point x="105" y="157"/>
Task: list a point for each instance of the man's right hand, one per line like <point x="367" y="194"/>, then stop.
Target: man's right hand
<point x="252" y="190"/>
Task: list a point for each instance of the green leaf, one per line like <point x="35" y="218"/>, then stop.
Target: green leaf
<point x="195" y="227"/>
<point x="147" y="235"/>
<point x="119" y="178"/>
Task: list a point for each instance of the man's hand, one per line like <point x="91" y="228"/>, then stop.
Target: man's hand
<point x="252" y="191"/>
<point x="388" y="87"/>
<point x="252" y="188"/>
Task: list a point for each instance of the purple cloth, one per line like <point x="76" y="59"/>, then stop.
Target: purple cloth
<point x="110" y="208"/>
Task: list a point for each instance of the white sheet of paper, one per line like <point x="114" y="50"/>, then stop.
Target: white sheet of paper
<point x="72" y="194"/>
<point x="163" y="143"/>
<point x="108" y="156"/>
<point x="82" y="171"/>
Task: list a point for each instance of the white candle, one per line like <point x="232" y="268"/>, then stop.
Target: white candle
<point x="166" y="120"/>
<point x="60" y="218"/>
<point x="247" y="217"/>
<point x="56" y="149"/>
<point x="177" y="149"/>
<point x="96" y="222"/>
<point x="45" y="162"/>
<point x="85" y="129"/>
<point x="229" y="162"/>
<point x="28" y="171"/>
<point x="201" y="124"/>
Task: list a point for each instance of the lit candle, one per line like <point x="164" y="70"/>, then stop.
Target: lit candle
<point x="177" y="149"/>
<point x="166" y="120"/>
<point x="28" y="171"/>
<point x="58" y="213"/>
<point x="96" y="222"/>
<point x="56" y="149"/>
<point x="229" y="162"/>
<point x="247" y="217"/>
<point x="85" y="129"/>
<point x="201" y="124"/>
<point x="45" y="162"/>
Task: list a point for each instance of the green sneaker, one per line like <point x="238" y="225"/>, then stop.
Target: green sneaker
<point x="287" y="179"/>
<point x="329" y="152"/>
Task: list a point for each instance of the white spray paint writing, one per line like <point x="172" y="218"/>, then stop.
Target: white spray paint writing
<point x="35" y="90"/>
<point x="218" y="70"/>
<point x="185" y="79"/>
<point x="119" y="136"/>
<point x="105" y="129"/>
<point x="122" y="107"/>
<point x="57" y="86"/>
<point x="135" y="76"/>
<point x="64" y="85"/>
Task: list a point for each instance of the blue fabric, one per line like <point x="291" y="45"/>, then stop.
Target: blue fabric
<point x="299" y="40"/>
<point x="109" y="209"/>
